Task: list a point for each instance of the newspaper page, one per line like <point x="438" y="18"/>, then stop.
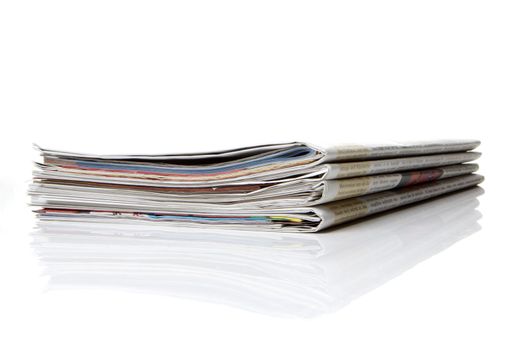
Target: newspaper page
<point x="341" y="153"/>
<point x="380" y="166"/>
<point x="334" y="153"/>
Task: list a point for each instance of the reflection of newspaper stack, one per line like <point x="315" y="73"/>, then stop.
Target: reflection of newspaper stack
<point x="287" y="187"/>
<point x="273" y="273"/>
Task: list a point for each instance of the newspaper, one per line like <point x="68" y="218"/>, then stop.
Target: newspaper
<point x="290" y="187"/>
<point x="336" y="153"/>
<point x="339" y="212"/>
<point x="300" y="219"/>
<point x="328" y="171"/>
<point x="334" y="190"/>
<point x="259" y="164"/>
<point x="303" y="192"/>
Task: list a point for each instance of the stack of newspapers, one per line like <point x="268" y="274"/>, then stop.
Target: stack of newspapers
<point x="294" y="187"/>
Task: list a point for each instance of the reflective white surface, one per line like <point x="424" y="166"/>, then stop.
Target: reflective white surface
<point x="302" y="275"/>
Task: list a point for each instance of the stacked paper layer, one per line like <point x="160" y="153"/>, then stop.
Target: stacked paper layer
<point x="288" y="187"/>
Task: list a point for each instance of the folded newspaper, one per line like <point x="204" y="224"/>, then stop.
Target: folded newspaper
<point x="288" y="187"/>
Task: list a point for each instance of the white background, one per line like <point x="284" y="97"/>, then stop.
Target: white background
<point x="140" y="76"/>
